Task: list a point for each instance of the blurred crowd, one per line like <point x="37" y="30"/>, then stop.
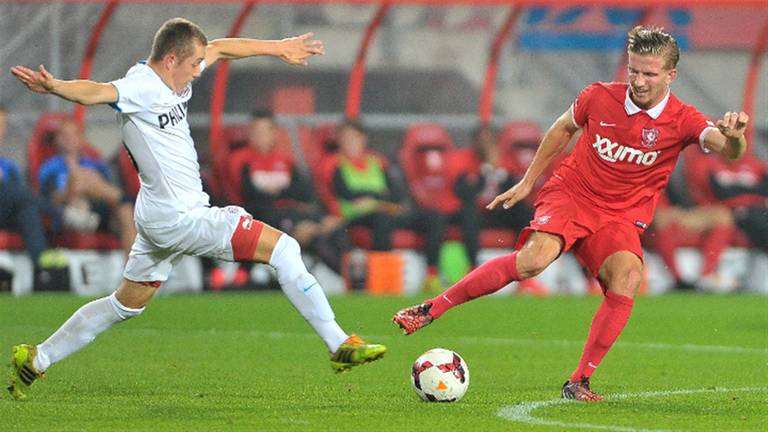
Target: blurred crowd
<point x="337" y="196"/>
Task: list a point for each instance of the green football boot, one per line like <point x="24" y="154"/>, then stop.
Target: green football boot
<point x="354" y="352"/>
<point x="23" y="372"/>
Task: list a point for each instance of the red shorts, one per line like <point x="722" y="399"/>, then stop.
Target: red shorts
<point x="593" y="234"/>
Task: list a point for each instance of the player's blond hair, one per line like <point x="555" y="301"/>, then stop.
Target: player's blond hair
<point x="176" y="36"/>
<point x="654" y="41"/>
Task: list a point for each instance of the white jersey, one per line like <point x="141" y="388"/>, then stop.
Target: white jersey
<point x="153" y="119"/>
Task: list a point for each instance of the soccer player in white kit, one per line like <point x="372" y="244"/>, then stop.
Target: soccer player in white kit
<point x="173" y="216"/>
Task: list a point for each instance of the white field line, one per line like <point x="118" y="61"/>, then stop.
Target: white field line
<point x="640" y="345"/>
<point x="523" y="413"/>
<point x="457" y="339"/>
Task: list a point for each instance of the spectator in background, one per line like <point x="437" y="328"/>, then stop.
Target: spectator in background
<point x="712" y="198"/>
<point x="82" y="186"/>
<point x="368" y="197"/>
<point x="742" y="185"/>
<point x="676" y="219"/>
<point x="276" y="192"/>
<point x="19" y="207"/>
<point x="481" y="173"/>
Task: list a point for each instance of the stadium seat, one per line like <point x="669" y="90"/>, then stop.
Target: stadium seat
<point x="518" y="142"/>
<point x="424" y="158"/>
<point x="40" y="148"/>
<point x="318" y="145"/>
<point x="11" y="240"/>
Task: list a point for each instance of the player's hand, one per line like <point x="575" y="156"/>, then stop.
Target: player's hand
<point x="39" y="81"/>
<point x="512" y="196"/>
<point x="733" y="124"/>
<point x="297" y="49"/>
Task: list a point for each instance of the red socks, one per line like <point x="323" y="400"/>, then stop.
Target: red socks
<point x="486" y="279"/>
<point x="606" y="327"/>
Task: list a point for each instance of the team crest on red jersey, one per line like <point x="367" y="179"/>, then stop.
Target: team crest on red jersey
<point x="650" y="135"/>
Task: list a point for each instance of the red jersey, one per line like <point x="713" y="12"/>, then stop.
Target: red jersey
<point x="623" y="159"/>
<point x="270" y="170"/>
<point x="273" y="168"/>
<point x="744" y="176"/>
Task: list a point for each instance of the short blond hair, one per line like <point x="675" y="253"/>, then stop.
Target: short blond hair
<point x="654" y="41"/>
<point x="176" y="36"/>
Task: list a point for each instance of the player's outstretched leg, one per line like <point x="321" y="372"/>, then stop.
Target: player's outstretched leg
<point x="307" y="296"/>
<point x="621" y="273"/>
<point x="486" y="279"/>
<point x="30" y="362"/>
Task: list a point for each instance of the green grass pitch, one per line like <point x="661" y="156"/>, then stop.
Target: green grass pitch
<point x="249" y="362"/>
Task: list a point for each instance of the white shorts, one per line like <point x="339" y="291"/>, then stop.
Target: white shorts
<point x="204" y="231"/>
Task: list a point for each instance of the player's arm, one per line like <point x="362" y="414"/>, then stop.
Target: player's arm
<point x="553" y="143"/>
<point x="79" y="91"/>
<point x="295" y="50"/>
<point x="728" y="139"/>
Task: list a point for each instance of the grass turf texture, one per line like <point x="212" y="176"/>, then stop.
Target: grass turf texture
<point x="249" y="362"/>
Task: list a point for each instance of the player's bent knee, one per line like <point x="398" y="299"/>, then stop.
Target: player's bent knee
<point x="626" y="282"/>
<point x="530" y="265"/>
<point x="634" y="279"/>
<point x="290" y="245"/>
<point x="124" y="312"/>
<point x="537" y="254"/>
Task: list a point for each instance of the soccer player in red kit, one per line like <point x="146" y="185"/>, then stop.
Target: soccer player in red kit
<point x="602" y="196"/>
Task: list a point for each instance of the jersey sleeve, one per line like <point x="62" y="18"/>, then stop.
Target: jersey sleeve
<point x="694" y="127"/>
<point x="133" y="94"/>
<point x="581" y="106"/>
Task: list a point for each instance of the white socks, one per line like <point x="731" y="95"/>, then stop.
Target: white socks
<point x="304" y="292"/>
<point x="81" y="328"/>
<point x="299" y="286"/>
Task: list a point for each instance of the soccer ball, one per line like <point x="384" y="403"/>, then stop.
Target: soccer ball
<point x="440" y="375"/>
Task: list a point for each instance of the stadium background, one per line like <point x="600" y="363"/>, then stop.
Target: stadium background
<point x="426" y="62"/>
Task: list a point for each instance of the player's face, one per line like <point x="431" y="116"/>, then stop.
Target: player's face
<point x="262" y="134"/>
<point x="648" y="79"/>
<point x="186" y="70"/>
<point x="352" y="142"/>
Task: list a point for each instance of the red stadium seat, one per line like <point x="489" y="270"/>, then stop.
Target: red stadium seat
<point x="424" y="159"/>
<point x="518" y="142"/>
<point x="11" y="240"/>
<point x="40" y="148"/>
<point x="318" y="145"/>
<point x="425" y="155"/>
